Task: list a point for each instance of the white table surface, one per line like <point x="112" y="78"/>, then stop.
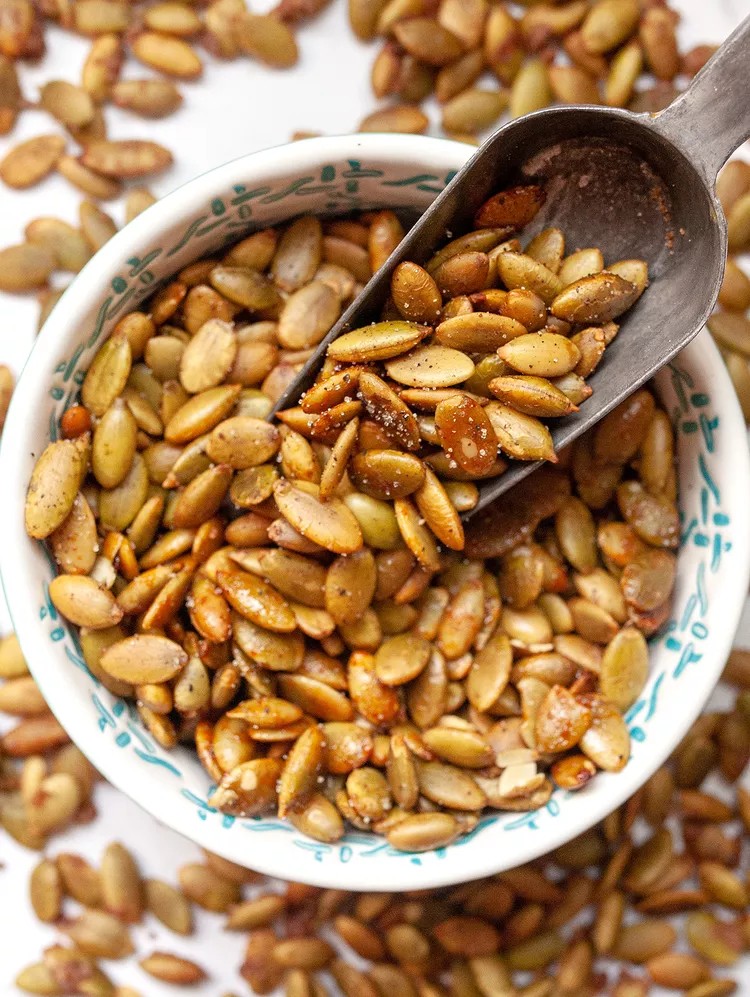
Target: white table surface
<point x="237" y="107"/>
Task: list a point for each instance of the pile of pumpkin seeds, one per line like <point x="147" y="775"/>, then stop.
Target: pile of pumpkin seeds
<point x="478" y="59"/>
<point x="482" y="59"/>
<point x="300" y="600"/>
<point x="656" y="894"/>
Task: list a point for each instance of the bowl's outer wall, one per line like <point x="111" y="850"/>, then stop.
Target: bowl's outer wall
<point x="335" y="176"/>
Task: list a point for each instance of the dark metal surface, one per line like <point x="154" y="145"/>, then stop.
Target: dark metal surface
<point x="634" y="185"/>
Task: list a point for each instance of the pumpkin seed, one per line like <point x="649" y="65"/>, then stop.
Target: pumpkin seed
<point x="319" y="819"/>
<point x="606" y="742"/>
<point x="143" y="658"/>
<point x="126" y="158"/>
<point x="172" y="968"/>
<point x="400" y="118"/>
<point x="608" y="24"/>
<point x="25" y="267"/>
<point x="473" y="110"/>
<point x="519" y="435"/>
<point x="71" y="105"/>
<point x="84" y="602"/>
<point x="101" y="935"/>
<point x="330" y="524"/>
<point x="100" y="17"/>
<point x="423" y="832"/>
<point x="102" y="67"/>
<point x="265" y="38"/>
<point x="31" y="161"/>
<point x="87" y="180"/>
<point x="541" y="354"/>
<point x="122" y="891"/>
<point x="46" y="891"/>
<point x="600" y="297"/>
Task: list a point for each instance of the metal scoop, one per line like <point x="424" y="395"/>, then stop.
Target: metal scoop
<point x="635" y="185"/>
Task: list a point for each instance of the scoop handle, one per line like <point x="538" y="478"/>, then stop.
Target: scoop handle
<point x="711" y="119"/>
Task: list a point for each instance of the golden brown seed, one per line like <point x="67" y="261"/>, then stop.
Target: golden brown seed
<point x="122" y="890"/>
<point x="657" y="35"/>
<point x="114" y="445"/>
<point x="96" y="225"/>
<point x="624" y="668"/>
<point x="380" y="341"/>
<point x="608" y="24"/>
<point x="208" y="888"/>
<point x="735" y="288"/>
<point x="10" y="95"/>
<point x="402" y="118"/>
<point x="330" y="524"/>
<point x="461" y="274"/>
<point x="25" y="267"/>
<point x="319" y="819"/>
<point x="100" y="935"/>
<point x="573" y="85"/>
<point x="561" y="721"/>
<point x="415" y="294"/>
<point x="598" y="298"/>
<point x="68" y="244"/>
<point x="45" y="889"/>
<point x="102" y="67"/>
<point x="704" y="934"/>
<point x="21" y="697"/>
<point x="534" y="396"/>
<point x="360" y="937"/>
<point x="72" y="106"/>
<point x="541" y="354"/>
<point x="172" y="18"/>
<point x="478" y="332"/>
<point x="428" y="41"/>
<point x="126" y="158"/>
<point x="307" y="316"/>
<point x="385" y="474"/>
<point x="299" y="778"/>
<point x="84" y="602"/>
<point x="268" y="39"/>
<point x="168" y="54"/>
<point x="625" y="69"/>
<point x="466" y="434"/>
<point x="474" y="110"/>
<point x="653" y="518"/>
<point x="518" y="435"/>
<point x="423" y="832"/>
<point x="30" y="161"/>
<point x="255" y="913"/>
<point x="298" y="254"/>
<point x="79" y="879"/>
<point x="530" y="90"/>
<point x="169" y="906"/>
<point x="375" y="701"/>
<point x="172" y="969"/>
<point x="97" y="17"/>
<point x="201" y="413"/>
<point x="606" y="742"/>
<point x="731" y="330"/>
<point x="143" y="658"/>
<point x="723" y="885"/>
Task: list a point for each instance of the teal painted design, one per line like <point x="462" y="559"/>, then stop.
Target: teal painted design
<point x="189" y="233"/>
<point x="346" y="186"/>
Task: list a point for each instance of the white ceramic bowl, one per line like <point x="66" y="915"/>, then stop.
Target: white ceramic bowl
<point x="329" y="176"/>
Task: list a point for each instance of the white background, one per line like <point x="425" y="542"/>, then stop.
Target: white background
<point x="236" y="108"/>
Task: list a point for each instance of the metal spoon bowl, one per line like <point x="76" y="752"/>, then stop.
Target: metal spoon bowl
<point x="636" y="185"/>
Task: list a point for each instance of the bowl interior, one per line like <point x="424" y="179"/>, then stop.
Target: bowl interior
<point x="334" y="177"/>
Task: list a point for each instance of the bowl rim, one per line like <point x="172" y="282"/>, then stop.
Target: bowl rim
<point x="17" y="582"/>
